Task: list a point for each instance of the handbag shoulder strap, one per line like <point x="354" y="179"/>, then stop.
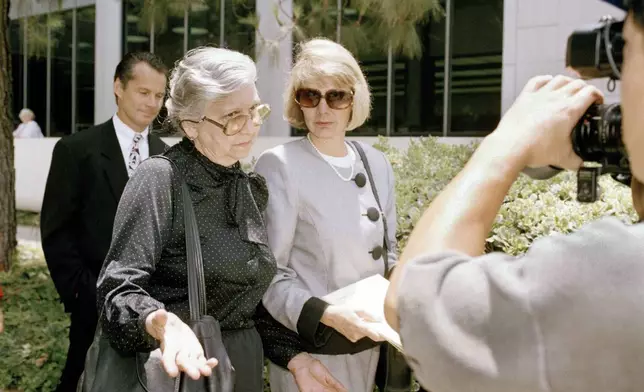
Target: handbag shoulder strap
<point x="386" y="243"/>
<point x="196" y="282"/>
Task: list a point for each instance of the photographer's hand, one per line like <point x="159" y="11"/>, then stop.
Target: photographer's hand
<point x="539" y="123"/>
<point x="534" y="132"/>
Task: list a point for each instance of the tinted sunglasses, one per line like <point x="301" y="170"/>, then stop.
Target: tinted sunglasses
<point x="335" y="99"/>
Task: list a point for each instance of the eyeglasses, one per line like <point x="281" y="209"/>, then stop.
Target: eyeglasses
<point x="235" y="123"/>
<point x="336" y="99"/>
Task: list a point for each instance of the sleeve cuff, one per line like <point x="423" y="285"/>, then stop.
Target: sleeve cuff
<point x="148" y="342"/>
<point x="308" y="324"/>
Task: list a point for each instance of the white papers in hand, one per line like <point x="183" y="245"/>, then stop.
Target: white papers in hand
<point x="369" y="295"/>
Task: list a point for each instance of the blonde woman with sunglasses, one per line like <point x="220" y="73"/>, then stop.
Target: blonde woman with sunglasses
<point x="143" y="286"/>
<point x="324" y="225"/>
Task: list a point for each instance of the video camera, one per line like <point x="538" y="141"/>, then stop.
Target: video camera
<point x="595" y="51"/>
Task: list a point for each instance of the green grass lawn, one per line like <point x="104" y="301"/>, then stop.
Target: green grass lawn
<point x="28" y="218"/>
<point x="34" y="342"/>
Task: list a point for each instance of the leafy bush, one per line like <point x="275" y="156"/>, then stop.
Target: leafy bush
<point x="532" y="209"/>
<point x="34" y="341"/>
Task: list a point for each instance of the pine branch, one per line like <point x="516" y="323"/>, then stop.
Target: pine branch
<point x="378" y="23"/>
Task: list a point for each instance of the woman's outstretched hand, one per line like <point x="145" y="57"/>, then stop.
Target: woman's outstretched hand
<point x="180" y="347"/>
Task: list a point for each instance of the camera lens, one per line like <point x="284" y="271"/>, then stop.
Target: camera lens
<point x="598" y="135"/>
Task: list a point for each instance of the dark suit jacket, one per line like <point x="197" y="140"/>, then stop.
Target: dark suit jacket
<point x="85" y="182"/>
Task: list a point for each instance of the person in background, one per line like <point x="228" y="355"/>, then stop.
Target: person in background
<point x="28" y="128"/>
<point x="88" y="172"/>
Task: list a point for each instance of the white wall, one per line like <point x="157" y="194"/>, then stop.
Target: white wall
<point x="33" y="157"/>
<point x="107" y="54"/>
<point x="535" y="34"/>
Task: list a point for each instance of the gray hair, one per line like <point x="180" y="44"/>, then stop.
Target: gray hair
<point x="203" y="75"/>
<point x="28" y="112"/>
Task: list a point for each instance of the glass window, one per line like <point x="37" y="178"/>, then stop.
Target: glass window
<point x="17" y="66"/>
<point x="169" y="34"/>
<point x="476" y="65"/>
<point x="61" y="73"/>
<point x="357" y="33"/>
<point x="169" y="41"/>
<point x="37" y="67"/>
<point x="239" y="29"/>
<point x="375" y="70"/>
<point x="204" y="24"/>
<point x="136" y="27"/>
<point x="85" y="23"/>
<point x="417" y="99"/>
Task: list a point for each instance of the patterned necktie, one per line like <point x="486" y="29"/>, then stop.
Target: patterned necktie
<point x="135" y="156"/>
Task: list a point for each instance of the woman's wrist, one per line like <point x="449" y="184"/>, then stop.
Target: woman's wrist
<point x="327" y="317"/>
<point x="300" y="360"/>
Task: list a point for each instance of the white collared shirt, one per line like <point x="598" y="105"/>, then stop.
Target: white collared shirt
<point x="125" y="137"/>
<point x="345" y="161"/>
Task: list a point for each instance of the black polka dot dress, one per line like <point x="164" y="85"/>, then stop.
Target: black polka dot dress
<point x="146" y="268"/>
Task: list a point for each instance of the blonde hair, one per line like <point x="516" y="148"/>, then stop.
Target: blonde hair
<point x="319" y="59"/>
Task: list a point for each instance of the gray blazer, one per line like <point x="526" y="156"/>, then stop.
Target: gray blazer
<point x="317" y="227"/>
<point x="322" y="238"/>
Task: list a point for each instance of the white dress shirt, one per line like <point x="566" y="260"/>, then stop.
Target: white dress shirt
<point x="344" y="162"/>
<point x="126" y="135"/>
<point x="27" y="130"/>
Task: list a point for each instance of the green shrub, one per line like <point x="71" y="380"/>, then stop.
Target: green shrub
<point x="34" y="341"/>
<point x="532" y="209"/>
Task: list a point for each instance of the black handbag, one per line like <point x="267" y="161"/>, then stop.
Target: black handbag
<point x="392" y="374"/>
<point x="108" y="370"/>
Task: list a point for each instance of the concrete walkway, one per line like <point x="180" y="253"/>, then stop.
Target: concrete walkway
<point x="28" y="233"/>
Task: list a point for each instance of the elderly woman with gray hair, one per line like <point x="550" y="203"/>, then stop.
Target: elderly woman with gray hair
<point x="143" y="286"/>
<point x="28" y="127"/>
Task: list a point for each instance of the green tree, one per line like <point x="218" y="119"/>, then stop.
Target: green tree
<point x="365" y="27"/>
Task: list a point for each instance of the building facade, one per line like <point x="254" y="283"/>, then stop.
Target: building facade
<point x="475" y="58"/>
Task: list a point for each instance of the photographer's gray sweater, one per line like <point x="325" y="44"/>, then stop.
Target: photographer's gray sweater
<point x="568" y="316"/>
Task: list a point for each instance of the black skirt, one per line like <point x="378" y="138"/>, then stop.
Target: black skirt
<point x="245" y="351"/>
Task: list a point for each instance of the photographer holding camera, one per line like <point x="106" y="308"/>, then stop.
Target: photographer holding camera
<point x="569" y="314"/>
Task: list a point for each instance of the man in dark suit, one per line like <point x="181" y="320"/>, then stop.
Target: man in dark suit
<point x="88" y="172"/>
